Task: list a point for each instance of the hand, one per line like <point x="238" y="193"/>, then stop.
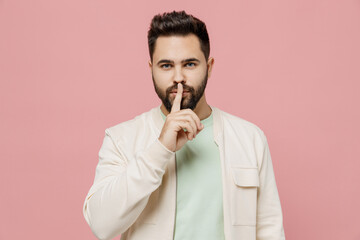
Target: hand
<point x="172" y="134"/>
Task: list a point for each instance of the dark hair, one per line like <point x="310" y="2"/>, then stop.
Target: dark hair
<point x="178" y="23"/>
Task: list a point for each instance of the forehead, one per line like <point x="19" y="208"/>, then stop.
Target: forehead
<point x="177" y="48"/>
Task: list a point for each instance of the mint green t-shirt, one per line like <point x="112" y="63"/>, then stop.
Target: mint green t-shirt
<point x="199" y="203"/>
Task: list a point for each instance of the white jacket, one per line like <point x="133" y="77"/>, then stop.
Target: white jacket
<point x="134" y="191"/>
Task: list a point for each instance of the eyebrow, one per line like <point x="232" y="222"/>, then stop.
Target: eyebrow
<point x="183" y="61"/>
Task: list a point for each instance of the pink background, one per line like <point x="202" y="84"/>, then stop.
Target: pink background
<point x="70" y="69"/>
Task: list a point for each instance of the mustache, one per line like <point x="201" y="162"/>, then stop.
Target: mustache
<point x="185" y="88"/>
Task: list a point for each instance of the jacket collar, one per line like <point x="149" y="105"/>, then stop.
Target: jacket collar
<point x="158" y="121"/>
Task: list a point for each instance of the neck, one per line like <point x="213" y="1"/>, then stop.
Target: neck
<point x="202" y="110"/>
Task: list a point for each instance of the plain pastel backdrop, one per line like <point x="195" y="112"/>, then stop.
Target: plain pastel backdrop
<point x="71" y="69"/>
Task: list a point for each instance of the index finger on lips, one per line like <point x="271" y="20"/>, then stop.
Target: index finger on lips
<point x="177" y="101"/>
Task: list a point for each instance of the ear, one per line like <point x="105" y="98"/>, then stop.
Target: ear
<point x="210" y="64"/>
<point x="150" y="65"/>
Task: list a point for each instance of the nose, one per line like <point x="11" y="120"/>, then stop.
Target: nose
<point x="179" y="76"/>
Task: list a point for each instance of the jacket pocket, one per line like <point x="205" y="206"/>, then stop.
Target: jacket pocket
<point x="243" y="195"/>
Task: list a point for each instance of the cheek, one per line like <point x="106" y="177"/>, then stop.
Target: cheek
<point x="162" y="81"/>
<point x="196" y="76"/>
<point x="162" y="76"/>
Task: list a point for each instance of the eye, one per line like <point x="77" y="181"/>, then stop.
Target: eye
<point x="189" y="64"/>
<point x="162" y="66"/>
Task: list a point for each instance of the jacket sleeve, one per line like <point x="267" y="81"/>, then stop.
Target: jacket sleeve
<point x="122" y="187"/>
<point x="269" y="214"/>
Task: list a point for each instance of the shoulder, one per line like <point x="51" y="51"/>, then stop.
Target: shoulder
<point x="238" y="122"/>
<point x="244" y="134"/>
<point x="242" y="127"/>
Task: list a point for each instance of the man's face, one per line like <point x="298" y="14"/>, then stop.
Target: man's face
<point x="179" y="59"/>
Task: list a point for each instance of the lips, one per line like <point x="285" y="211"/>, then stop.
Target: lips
<point x="176" y="91"/>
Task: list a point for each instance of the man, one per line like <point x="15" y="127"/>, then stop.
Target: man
<point x="184" y="170"/>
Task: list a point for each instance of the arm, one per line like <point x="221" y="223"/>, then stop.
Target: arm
<point x="269" y="215"/>
<point x="122" y="188"/>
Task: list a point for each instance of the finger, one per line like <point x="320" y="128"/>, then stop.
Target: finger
<point x="190" y="121"/>
<point x="189" y="129"/>
<point x="177" y="101"/>
<point x="189" y="136"/>
<point x="195" y="117"/>
<point x="196" y="120"/>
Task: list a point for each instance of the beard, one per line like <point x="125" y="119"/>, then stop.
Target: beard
<point x="189" y="101"/>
